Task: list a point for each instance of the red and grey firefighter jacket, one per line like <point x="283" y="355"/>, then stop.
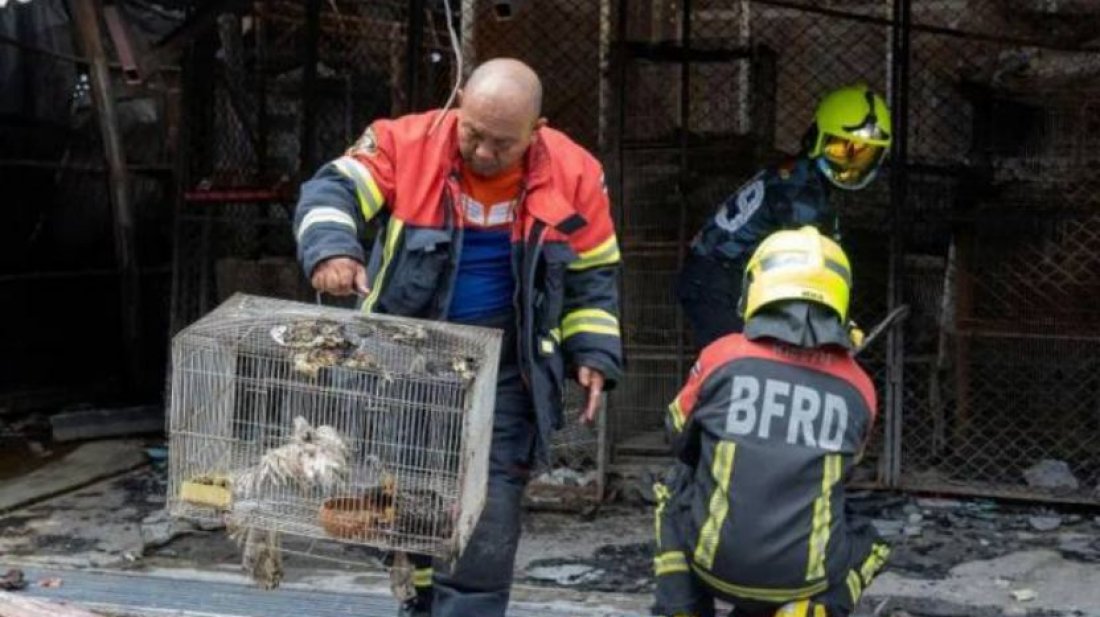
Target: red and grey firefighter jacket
<point x="769" y="431"/>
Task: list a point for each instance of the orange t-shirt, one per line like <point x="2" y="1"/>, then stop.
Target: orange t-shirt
<point x="490" y="202"/>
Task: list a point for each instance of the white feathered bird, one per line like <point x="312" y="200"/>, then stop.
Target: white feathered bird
<point x="314" y="457"/>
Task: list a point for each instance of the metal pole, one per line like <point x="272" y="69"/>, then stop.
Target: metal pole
<point x="261" y="50"/>
<point x="307" y="149"/>
<point x="620" y="59"/>
<point x="413" y="48"/>
<point x="25" y="28"/>
<point x="86" y="18"/>
<point x="685" y="122"/>
<point x="616" y="183"/>
<point x="899" y="187"/>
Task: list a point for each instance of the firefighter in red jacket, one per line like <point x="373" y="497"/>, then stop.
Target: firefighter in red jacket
<point x="486" y="216"/>
<point x="766" y="430"/>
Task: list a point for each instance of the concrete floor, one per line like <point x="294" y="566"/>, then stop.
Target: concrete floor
<point x="113" y="531"/>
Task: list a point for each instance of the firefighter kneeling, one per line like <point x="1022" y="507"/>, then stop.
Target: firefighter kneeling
<point x="765" y="431"/>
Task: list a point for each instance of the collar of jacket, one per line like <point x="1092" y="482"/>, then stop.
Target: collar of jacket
<point x="544" y="198"/>
<point x="803" y="324"/>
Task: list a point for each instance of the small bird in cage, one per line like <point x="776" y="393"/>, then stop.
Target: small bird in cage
<point x="314" y="457"/>
<point x="423" y="511"/>
<point x="311" y="361"/>
<point x="465" y="368"/>
<point x="363" y="360"/>
<point x="408" y="333"/>
<point x="311" y="334"/>
<point x="315" y="343"/>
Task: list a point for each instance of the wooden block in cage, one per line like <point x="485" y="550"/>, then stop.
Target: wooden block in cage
<point x="210" y="491"/>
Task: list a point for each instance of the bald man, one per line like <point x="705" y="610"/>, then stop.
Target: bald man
<point x="488" y="217"/>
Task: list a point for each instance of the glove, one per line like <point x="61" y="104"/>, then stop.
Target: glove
<point x="855" y="334"/>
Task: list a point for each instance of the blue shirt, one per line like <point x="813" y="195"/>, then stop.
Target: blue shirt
<point x="484" y="284"/>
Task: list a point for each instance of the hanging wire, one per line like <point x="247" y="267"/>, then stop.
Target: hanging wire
<point x="458" y="66"/>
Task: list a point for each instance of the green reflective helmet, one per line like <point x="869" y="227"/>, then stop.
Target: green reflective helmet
<point x="851" y="136"/>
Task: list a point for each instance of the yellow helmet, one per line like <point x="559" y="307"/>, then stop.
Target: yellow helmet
<point x="797" y="265"/>
<point x="851" y="136"/>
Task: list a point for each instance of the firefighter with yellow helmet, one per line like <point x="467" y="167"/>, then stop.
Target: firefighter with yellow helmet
<point x="765" y="432"/>
<point x="844" y="148"/>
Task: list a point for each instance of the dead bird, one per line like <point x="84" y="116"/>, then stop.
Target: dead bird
<point x="13" y="580"/>
<point x="461" y="367"/>
<point x="314" y="457"/>
<point x="422" y="512"/>
<point x="312" y="334"/>
<point x="261" y="549"/>
<point x="311" y="361"/>
<point x="262" y="558"/>
<point x="402" y="577"/>
<point x="407" y="333"/>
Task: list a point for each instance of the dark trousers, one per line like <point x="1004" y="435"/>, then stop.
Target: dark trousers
<point x="709" y="291"/>
<point x="680" y="592"/>
<point x="481" y="581"/>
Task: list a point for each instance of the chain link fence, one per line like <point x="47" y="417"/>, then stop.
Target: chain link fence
<point x="710" y="92"/>
<point x="60" y="261"/>
<point x="983" y="223"/>
<point x="1002" y="393"/>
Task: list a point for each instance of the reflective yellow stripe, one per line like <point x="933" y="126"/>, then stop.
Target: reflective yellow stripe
<point x="874" y="562"/>
<point x="660" y="491"/>
<point x="677" y="414"/>
<point x="798" y="608"/>
<point x="855" y="586"/>
<point x="393" y="232"/>
<point x="776" y="594"/>
<point x="592" y="321"/>
<point x="370" y="197"/>
<point x="422" y="577"/>
<point x="670" y="563"/>
<point x="718" y="508"/>
<point x="555" y="333"/>
<point x="819" y="535"/>
<point x="604" y="254"/>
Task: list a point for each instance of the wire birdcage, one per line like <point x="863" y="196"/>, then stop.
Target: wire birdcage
<point x="327" y="423"/>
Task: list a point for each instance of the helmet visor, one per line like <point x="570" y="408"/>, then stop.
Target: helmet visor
<point x="849" y="163"/>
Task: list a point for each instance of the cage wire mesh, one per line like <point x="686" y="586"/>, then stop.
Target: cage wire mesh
<point x="327" y="423"/>
<point x="575" y="475"/>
